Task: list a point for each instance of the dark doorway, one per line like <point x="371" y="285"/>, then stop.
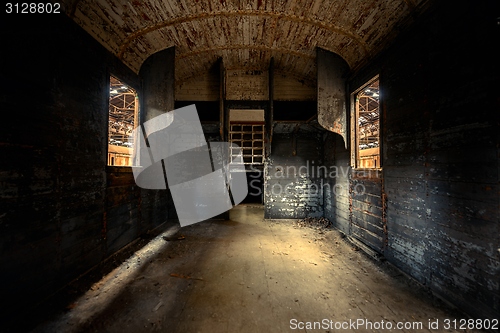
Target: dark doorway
<point x="255" y="180"/>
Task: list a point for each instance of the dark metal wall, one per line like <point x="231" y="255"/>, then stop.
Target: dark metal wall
<point x="354" y="200"/>
<point x="158" y="83"/>
<point x="157" y="98"/>
<point x="437" y="204"/>
<point x="434" y="213"/>
<point x="62" y="211"/>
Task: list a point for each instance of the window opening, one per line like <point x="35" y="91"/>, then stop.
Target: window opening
<point x="367" y="120"/>
<point x="123" y="117"/>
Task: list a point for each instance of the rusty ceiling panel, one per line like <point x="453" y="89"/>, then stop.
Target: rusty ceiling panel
<point x="245" y="33"/>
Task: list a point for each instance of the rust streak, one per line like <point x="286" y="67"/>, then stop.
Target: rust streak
<point x="306" y="80"/>
<point x="410" y="4"/>
<point x="246" y="47"/>
<point x="281" y="16"/>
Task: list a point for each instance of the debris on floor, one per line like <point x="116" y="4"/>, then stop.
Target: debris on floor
<point x="245" y="272"/>
<point x="157" y="306"/>
<point x="317" y="223"/>
<point x="184" y="276"/>
<point x="174" y="238"/>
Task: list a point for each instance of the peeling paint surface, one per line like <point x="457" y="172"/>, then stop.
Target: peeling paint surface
<point x="291" y="179"/>
<point x="332" y="96"/>
<point x="246" y="34"/>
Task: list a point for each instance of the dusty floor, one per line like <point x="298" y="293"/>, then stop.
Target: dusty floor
<point x="251" y="275"/>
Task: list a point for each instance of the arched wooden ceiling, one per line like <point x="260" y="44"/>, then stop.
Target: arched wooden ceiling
<point x="245" y="33"/>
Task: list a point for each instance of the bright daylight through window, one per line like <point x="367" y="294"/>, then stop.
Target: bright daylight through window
<point x="367" y="120"/>
<point x="123" y="117"/>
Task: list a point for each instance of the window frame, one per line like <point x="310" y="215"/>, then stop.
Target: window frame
<point x="354" y="137"/>
<point x="239" y="122"/>
<point x="136" y="120"/>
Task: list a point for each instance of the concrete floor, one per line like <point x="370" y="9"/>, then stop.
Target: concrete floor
<point x="251" y="275"/>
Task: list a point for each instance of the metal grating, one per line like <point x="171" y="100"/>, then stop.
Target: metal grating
<point x="250" y="138"/>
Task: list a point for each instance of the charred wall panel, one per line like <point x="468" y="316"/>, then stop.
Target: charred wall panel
<point x="62" y="211"/>
<point x="292" y="185"/>
<point x="353" y="198"/>
<point x="367" y="208"/>
<point x="158" y="81"/>
<point x="337" y="196"/>
<point x="158" y="97"/>
<point x="332" y="96"/>
<point x="123" y="208"/>
<point x="53" y="148"/>
<point x="440" y="154"/>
